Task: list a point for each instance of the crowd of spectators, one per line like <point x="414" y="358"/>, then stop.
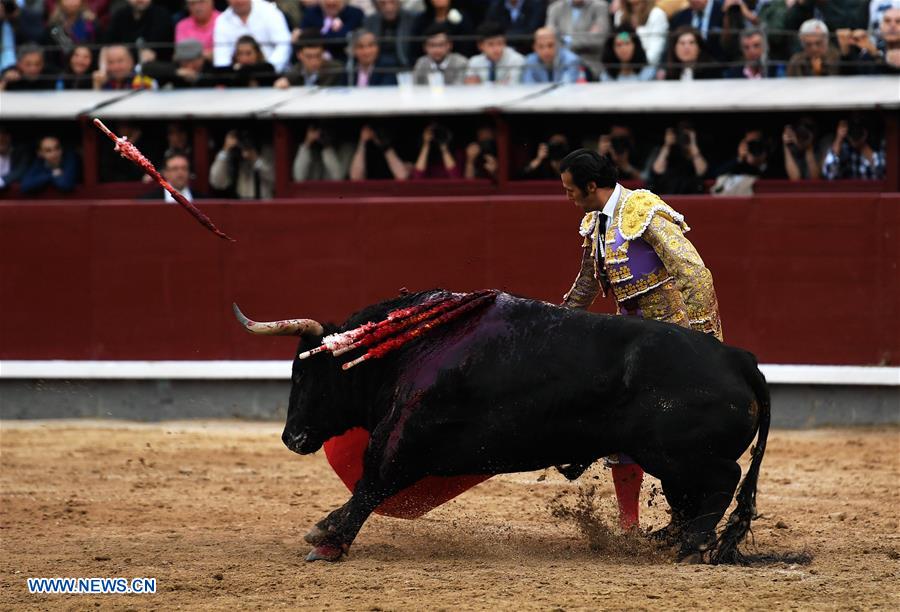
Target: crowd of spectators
<point x="82" y="44"/>
<point x="677" y="158"/>
<point x="149" y="44"/>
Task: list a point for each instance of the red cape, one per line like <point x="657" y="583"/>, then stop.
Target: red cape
<point x="345" y="454"/>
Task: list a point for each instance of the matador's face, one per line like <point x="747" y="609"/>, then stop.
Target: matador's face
<point x="574" y="193"/>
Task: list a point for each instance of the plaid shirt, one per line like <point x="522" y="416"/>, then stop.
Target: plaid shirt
<point x="851" y="164"/>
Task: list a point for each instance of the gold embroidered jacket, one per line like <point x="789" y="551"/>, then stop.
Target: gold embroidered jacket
<point x="679" y="290"/>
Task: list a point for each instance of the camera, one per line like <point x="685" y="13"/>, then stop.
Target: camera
<point x="756" y="148"/>
<point x="620" y="144"/>
<point x="488" y="147"/>
<point x="557" y="150"/>
<point x="441" y="134"/>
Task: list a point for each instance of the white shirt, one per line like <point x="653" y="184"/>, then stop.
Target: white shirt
<point x="608" y="209"/>
<point x="265" y="23"/>
<point x="508" y="69"/>
<point x="5" y="167"/>
<point x="186" y="192"/>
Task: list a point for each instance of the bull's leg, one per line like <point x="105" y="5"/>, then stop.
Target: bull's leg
<point x="683" y="506"/>
<point x="322" y="528"/>
<point x="335" y="542"/>
<point x="716" y="481"/>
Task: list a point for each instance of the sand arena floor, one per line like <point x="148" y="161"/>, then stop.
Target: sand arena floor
<point x="216" y="512"/>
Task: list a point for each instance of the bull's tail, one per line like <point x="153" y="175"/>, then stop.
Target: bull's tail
<point x="726" y="549"/>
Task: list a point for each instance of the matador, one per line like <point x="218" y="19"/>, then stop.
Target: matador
<point x="634" y="245"/>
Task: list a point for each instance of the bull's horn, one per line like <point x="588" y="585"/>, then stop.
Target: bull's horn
<point x="288" y="327"/>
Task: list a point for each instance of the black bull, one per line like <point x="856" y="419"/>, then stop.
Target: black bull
<point x="522" y="385"/>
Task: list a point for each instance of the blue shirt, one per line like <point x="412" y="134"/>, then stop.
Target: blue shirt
<point x="566" y="68"/>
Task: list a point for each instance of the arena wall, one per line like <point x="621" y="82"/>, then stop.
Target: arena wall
<point x="806" y="278"/>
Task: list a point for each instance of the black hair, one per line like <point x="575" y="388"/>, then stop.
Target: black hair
<point x="309" y="37"/>
<point x="490" y="29"/>
<point x="176" y="153"/>
<point x="587" y="166"/>
<point x="436" y="28"/>
<point x="611" y="60"/>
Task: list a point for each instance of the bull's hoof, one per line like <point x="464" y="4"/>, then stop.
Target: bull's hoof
<point x="326" y="552"/>
<point x="665" y="537"/>
<point x="315" y="536"/>
<point x="694" y="558"/>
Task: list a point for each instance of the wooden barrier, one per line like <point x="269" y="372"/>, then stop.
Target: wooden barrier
<point x="808" y="278"/>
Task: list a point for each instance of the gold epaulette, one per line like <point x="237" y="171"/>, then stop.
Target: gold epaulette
<point x="636" y="213"/>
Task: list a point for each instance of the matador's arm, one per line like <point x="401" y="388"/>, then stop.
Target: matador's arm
<point x="585" y="288"/>
<point x="692" y="278"/>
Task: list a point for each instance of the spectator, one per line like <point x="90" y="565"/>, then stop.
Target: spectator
<point x="249" y="66"/>
<point x="200" y="24"/>
<point x="816" y="58"/>
<point x="458" y="23"/>
<point x="687" y="57"/>
<point x="189" y="68"/>
<point x="335" y="21"/>
<point x="800" y="159"/>
<point x="439" y="58"/>
<point x="176" y="170"/>
<point x="7" y="35"/>
<point x="13" y="160"/>
<point x="52" y="166"/>
<point x="851" y="156"/>
<point x="367" y="69"/>
<point x="115" y="169"/>
<point x="78" y="71"/>
<point x="877" y="9"/>
<point x="889" y="35"/>
<point x="435" y="158"/>
<point x="550" y="63"/>
<point x="98" y="8"/>
<point x="312" y="69"/>
<point x="393" y="26"/>
<point x="257" y="18"/>
<point x="619" y="145"/>
<point x="752" y="159"/>
<point x="836" y="14"/>
<point x="773" y="21"/>
<point x="119" y="73"/>
<point x="858" y="52"/>
<point x="481" y="155"/>
<point x="705" y="16"/>
<point x="519" y="19"/>
<point x="70" y="23"/>
<point x="318" y="159"/>
<point x="737" y="16"/>
<point x="678" y="165"/>
<point x="755" y="62"/>
<point x="583" y="27"/>
<point x="145" y="24"/>
<point x="545" y="165"/>
<point x="178" y="140"/>
<point x="242" y="169"/>
<point x="29" y="73"/>
<point x="28" y="19"/>
<point x="496" y="63"/>
<point x="375" y="158"/>
<point x="624" y="58"/>
<point x="650" y="23"/>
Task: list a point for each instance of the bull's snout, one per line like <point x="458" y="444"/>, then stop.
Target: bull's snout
<point x="294" y="441"/>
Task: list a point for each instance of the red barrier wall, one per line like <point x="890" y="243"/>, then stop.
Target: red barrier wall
<point x="809" y="278"/>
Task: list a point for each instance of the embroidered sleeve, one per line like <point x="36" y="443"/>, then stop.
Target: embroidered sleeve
<point x="692" y="278"/>
<point x="585" y="288"/>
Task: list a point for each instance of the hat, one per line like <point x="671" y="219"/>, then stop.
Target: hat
<point x="188" y="49"/>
